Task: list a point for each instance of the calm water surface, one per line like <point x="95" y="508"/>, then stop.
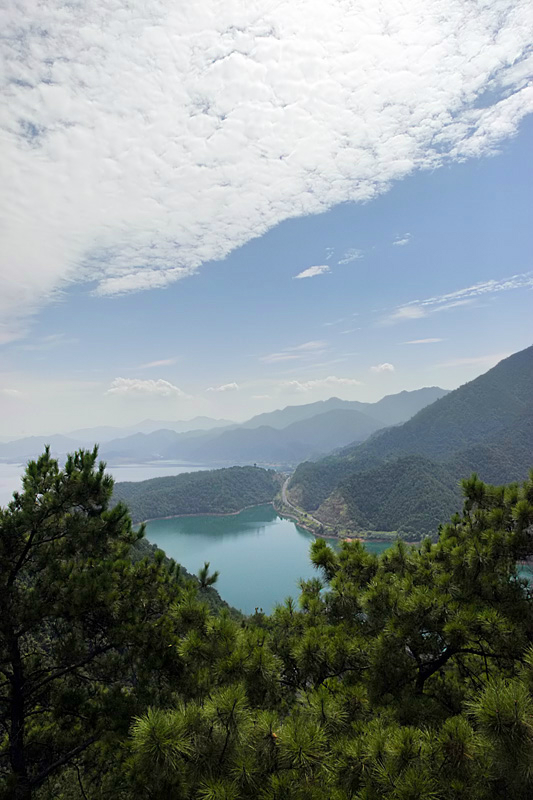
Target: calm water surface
<point x="260" y="555"/>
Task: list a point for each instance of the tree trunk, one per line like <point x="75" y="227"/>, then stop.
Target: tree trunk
<point x="17" y="755"/>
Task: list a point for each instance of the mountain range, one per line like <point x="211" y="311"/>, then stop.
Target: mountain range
<point x="281" y="438"/>
<point x="406" y="478"/>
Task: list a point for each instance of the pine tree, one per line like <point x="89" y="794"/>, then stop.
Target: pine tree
<point x="79" y="623"/>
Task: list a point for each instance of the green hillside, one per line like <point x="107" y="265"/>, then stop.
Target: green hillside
<point x="406" y="478"/>
<point x="220" y="491"/>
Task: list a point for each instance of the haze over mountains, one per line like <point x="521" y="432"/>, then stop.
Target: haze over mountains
<point x="282" y="437"/>
<point x="407" y="478"/>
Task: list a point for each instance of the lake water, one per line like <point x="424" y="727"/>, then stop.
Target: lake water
<point x="10" y="474"/>
<point x="260" y="555"/>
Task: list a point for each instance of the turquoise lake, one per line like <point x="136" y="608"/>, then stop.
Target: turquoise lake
<point x="260" y="555"/>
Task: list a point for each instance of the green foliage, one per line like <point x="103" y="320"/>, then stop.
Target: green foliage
<point x="219" y="491"/>
<point x="405" y="478"/>
<point x="204" y="578"/>
<point x="405" y="676"/>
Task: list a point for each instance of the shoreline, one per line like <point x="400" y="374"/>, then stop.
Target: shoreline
<point x="353" y="538"/>
<point x="205" y="513"/>
<point x="284" y="515"/>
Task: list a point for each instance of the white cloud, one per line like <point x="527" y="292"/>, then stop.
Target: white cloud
<point x="422" y="308"/>
<point x="136" y="386"/>
<point x="329" y="253"/>
<point x="424" y="341"/>
<point x="163" y="362"/>
<point x="407" y="312"/>
<point x="141" y="141"/>
<point x="383" y="368"/>
<point x="401" y="241"/>
<point x="312" y="272"/>
<point x="351" y="255"/>
<point x="226" y="387"/>
<point x="11" y="392"/>
<point x="319" y="383"/>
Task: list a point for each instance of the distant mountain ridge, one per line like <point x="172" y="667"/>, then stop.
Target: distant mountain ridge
<point x="390" y="410"/>
<point x="105" y="433"/>
<point x="303" y="432"/>
<point x="485" y="426"/>
<point x="293" y="434"/>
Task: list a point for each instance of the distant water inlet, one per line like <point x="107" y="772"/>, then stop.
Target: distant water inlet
<point x="260" y="556"/>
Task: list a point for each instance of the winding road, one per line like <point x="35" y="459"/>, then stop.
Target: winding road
<point x="288" y="503"/>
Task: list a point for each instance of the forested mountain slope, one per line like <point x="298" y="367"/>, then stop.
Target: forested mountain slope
<point x="211" y="492"/>
<point x="477" y="411"/>
<point x="484" y="426"/>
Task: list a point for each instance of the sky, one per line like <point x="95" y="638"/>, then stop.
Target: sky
<point x="225" y="208"/>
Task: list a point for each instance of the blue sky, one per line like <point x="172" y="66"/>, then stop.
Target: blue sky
<point x="171" y="298"/>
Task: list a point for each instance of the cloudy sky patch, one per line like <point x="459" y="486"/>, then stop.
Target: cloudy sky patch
<point x="168" y="170"/>
<point x="141" y="144"/>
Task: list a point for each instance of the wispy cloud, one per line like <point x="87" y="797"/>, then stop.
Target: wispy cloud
<point x="401" y="241"/>
<point x="424" y="341"/>
<point x="202" y="151"/>
<point x="305" y="350"/>
<point x="312" y="272"/>
<point x="49" y="342"/>
<point x="386" y="367"/>
<point x="226" y="387"/>
<point x="274" y="358"/>
<point x="423" y="308"/>
<point x="329" y="253"/>
<point x="136" y="386"/>
<point x="319" y="383"/>
<point x="351" y="255"/>
<point x="489" y="360"/>
<point x="11" y="392"/>
<point x="319" y="344"/>
<point x="162" y="362"/>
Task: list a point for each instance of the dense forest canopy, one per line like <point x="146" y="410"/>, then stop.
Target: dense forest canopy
<point x="408" y="675"/>
<point x="405" y="479"/>
<point x="220" y="491"/>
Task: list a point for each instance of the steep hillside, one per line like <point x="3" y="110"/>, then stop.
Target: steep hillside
<point x="477" y="411"/>
<point x="406" y="478"/>
<point x="210" y="492"/>
<point x="411" y="495"/>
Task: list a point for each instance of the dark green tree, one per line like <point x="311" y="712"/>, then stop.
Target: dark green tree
<point x="205" y="579"/>
<point x="80" y="624"/>
<point x="407" y="676"/>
